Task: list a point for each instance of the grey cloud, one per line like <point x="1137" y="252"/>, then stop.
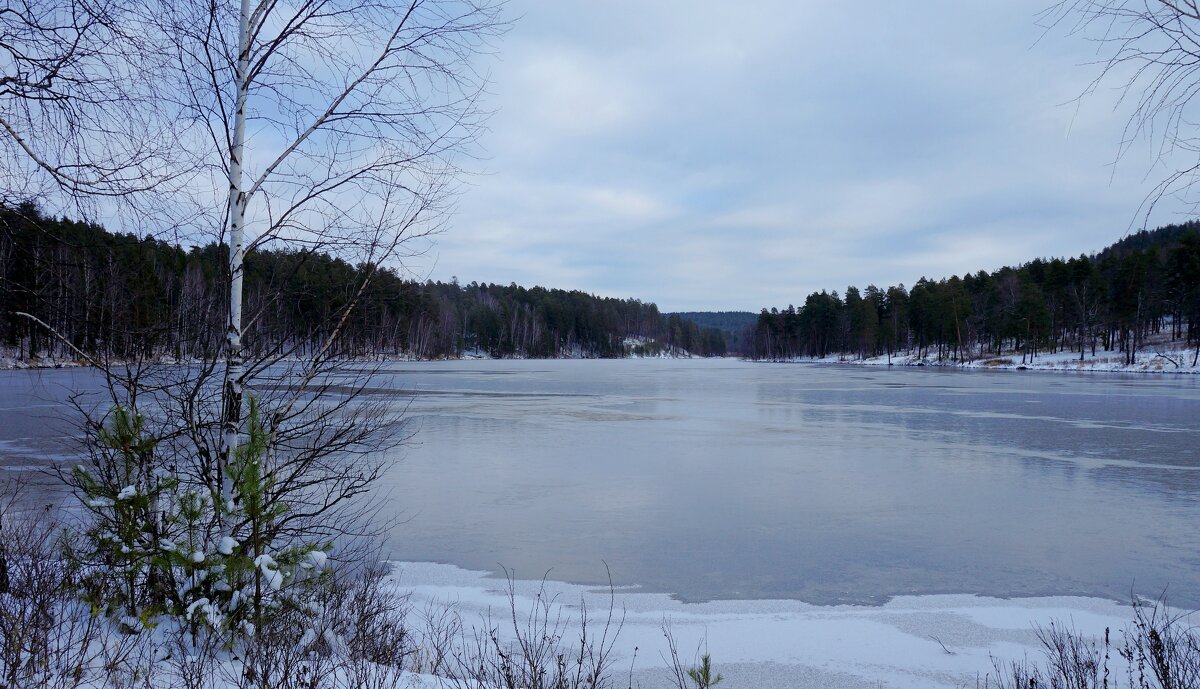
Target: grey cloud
<point x="741" y="155"/>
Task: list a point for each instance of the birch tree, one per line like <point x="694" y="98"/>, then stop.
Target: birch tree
<point x="80" y="115"/>
<point x="332" y="126"/>
<point x="1147" y="52"/>
<point x="336" y="126"/>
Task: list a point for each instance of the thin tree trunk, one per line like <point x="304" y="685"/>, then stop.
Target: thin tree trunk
<point x="237" y="212"/>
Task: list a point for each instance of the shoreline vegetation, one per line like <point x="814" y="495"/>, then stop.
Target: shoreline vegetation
<point x="1133" y="306"/>
<point x="1163" y="358"/>
<point x="635" y="350"/>
<point x="1154" y="357"/>
<point x="131" y="297"/>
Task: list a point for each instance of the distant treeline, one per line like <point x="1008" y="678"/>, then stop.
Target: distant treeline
<point x="125" y="295"/>
<point x="736" y="326"/>
<point x="1147" y="283"/>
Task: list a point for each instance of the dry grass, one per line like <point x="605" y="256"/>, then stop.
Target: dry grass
<point x="1159" y="649"/>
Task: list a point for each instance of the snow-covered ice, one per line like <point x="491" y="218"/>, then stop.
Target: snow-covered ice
<point x="914" y="642"/>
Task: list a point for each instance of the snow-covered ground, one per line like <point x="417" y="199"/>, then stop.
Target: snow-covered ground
<point x="1150" y="359"/>
<point x="11" y="360"/>
<point x="649" y="348"/>
<point x="917" y="642"/>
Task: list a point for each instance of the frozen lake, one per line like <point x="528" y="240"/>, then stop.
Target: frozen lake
<point x="712" y="480"/>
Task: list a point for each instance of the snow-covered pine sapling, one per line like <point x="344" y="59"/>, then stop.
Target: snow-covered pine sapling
<point x="248" y="574"/>
<point x="153" y="546"/>
<point x="123" y="489"/>
<point x="196" y="576"/>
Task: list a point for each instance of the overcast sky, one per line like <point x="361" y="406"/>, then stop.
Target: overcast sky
<point x="736" y="155"/>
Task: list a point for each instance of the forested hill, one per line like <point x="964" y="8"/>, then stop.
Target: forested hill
<point x="1163" y="237"/>
<point x="725" y="321"/>
<point x="736" y="326"/>
<point x="122" y="295"/>
<point x="1145" y="287"/>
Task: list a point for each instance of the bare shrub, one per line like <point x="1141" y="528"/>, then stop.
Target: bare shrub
<point x="1074" y="660"/>
<point x="544" y="648"/>
<point x="364" y="628"/>
<point x="437" y="628"/>
<point x="1015" y="674"/>
<point x="133" y="662"/>
<point x="193" y="658"/>
<point x="1160" y="649"/>
<point x="47" y="637"/>
<point x="281" y="656"/>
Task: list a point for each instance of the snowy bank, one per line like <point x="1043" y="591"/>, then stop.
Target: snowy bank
<point x="1164" y="360"/>
<point x="634" y="349"/>
<point x="914" y="642"/>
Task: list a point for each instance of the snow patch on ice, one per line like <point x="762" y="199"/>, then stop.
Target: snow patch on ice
<point x="788" y="642"/>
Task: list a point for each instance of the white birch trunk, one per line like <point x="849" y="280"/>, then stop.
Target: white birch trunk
<point x="231" y="426"/>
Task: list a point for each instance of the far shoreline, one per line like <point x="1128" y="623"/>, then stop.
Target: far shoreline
<point x="1061" y="362"/>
